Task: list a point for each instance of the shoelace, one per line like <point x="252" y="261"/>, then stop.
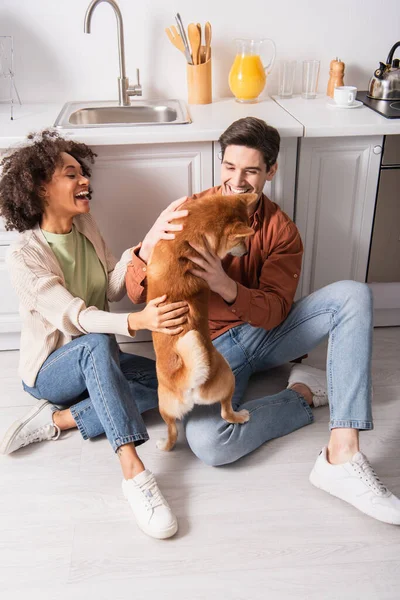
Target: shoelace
<point x="319" y="397"/>
<point x="319" y="392"/>
<point x="152" y="493"/>
<point x="42" y="434"/>
<point x="368" y="475"/>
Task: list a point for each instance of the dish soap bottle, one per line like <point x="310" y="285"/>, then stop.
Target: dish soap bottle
<point x="336" y="74"/>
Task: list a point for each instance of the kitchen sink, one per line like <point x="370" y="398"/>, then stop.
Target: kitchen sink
<point x="82" y="115"/>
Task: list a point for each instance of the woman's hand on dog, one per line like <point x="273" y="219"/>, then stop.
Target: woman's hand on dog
<point x="163" y="229"/>
<point x="162" y="319"/>
<point x="213" y="273"/>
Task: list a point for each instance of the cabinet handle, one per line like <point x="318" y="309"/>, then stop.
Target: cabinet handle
<point x="377" y="150"/>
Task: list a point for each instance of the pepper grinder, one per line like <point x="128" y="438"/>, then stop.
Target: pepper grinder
<point x="336" y="73"/>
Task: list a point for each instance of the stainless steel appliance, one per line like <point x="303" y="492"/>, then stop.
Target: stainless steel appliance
<point x="384" y="260"/>
<point x="385" y="82"/>
<point x="387" y="108"/>
<point x="383" y="94"/>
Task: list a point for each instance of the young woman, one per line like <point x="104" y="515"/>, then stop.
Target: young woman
<point x="65" y="276"/>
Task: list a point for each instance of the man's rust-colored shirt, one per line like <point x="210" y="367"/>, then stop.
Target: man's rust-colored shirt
<point x="267" y="277"/>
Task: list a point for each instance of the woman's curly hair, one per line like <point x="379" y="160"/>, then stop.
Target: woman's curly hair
<point x="27" y="168"/>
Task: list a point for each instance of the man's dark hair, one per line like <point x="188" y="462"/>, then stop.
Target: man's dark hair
<point x="27" y="168"/>
<point x="253" y="133"/>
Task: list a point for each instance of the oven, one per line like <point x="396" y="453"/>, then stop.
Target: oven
<point x="383" y="273"/>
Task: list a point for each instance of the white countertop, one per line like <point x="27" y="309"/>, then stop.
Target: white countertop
<point x="209" y="121"/>
<point x="319" y="120"/>
<point x="293" y="117"/>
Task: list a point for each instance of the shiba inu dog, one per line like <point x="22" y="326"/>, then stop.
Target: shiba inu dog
<point x="189" y="369"/>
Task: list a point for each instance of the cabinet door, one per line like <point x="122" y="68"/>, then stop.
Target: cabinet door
<point x="10" y="325"/>
<point x="133" y="184"/>
<point x="337" y="183"/>
<point x="6" y="237"/>
<point x="9" y="316"/>
<point x="282" y="188"/>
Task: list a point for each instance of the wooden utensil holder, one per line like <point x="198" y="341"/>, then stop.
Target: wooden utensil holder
<point x="199" y="83"/>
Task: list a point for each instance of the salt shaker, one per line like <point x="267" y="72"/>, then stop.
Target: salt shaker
<point x="336" y="73"/>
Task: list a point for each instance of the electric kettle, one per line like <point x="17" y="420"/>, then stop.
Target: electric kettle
<point x="385" y="82"/>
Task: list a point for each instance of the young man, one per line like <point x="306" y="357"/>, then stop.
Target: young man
<point x="256" y="326"/>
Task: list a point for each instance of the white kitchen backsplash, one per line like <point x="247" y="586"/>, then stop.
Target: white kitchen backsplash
<point x="56" y="62"/>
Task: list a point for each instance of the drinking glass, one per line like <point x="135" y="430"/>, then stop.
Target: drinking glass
<point x="310" y="78"/>
<point x="287" y="71"/>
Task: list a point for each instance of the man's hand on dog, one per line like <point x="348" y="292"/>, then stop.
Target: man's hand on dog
<point x="213" y="273"/>
<point x="163" y="229"/>
<point x="162" y="319"/>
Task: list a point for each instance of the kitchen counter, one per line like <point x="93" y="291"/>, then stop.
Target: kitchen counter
<point x="293" y="117"/>
<point x="209" y="121"/>
<point x="319" y="120"/>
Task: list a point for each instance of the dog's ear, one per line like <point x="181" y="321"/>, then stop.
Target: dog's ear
<point x="240" y="230"/>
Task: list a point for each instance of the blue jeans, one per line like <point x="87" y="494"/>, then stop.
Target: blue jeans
<point x="342" y="311"/>
<point x="106" y="389"/>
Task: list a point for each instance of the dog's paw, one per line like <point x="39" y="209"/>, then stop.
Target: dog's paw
<point x="242" y="416"/>
<point x="162" y="444"/>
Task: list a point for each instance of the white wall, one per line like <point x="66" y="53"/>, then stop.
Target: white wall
<point x="55" y="61"/>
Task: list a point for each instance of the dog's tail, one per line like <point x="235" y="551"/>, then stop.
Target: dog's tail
<point x="195" y="358"/>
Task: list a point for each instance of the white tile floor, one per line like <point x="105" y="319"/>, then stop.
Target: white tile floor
<point x="254" y="530"/>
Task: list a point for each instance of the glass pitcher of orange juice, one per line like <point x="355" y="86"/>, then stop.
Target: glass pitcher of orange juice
<point x="248" y="74"/>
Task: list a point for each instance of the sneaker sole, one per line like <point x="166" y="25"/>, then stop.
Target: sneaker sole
<point x="16" y="427"/>
<point x="315" y="481"/>
<point x="161" y="535"/>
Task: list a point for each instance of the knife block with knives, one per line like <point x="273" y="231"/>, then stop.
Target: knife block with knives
<point x="198" y="58"/>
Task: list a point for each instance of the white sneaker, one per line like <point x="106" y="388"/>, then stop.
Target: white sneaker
<point x="313" y="378"/>
<point x="36" y="426"/>
<point x="356" y="482"/>
<point x="151" y="510"/>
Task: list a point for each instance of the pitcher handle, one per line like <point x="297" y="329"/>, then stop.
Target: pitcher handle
<point x="268" y="67"/>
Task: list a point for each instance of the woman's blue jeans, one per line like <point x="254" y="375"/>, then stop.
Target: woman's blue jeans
<point x="342" y="311"/>
<point x="106" y="389"/>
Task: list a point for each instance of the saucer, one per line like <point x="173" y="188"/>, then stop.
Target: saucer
<point x="356" y="104"/>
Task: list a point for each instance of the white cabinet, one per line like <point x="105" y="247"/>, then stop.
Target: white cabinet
<point x="282" y="188"/>
<point x="132" y="185"/>
<point x="10" y="326"/>
<point x="9" y="315"/>
<point x="336" y="191"/>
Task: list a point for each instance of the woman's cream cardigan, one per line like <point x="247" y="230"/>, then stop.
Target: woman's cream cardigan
<point x="51" y="316"/>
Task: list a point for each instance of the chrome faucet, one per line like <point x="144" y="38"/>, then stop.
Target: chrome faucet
<point x="124" y="90"/>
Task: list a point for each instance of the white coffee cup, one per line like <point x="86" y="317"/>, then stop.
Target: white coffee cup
<point x="344" y="95"/>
